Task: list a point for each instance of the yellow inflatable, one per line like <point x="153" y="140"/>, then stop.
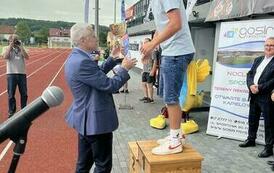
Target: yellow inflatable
<point x="197" y="72"/>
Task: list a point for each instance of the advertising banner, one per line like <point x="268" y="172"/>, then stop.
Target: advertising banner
<point x="239" y="44"/>
<point x="228" y="9"/>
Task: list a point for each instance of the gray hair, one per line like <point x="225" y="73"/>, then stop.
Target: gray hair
<point x="79" y="31"/>
<point x="270" y="38"/>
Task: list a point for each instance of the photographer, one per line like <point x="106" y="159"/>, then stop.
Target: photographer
<point x="15" y="56"/>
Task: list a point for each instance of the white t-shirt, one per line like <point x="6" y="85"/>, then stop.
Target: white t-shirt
<point x="15" y="62"/>
<point x="181" y="42"/>
<point x="260" y="69"/>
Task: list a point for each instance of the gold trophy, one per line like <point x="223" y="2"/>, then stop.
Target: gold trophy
<point x="117" y="31"/>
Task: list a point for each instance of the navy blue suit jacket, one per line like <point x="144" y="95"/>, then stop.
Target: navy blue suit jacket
<point x="92" y="111"/>
<point x="266" y="80"/>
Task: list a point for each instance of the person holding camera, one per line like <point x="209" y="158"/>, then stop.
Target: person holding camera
<point x="15" y="56"/>
<point x="148" y="75"/>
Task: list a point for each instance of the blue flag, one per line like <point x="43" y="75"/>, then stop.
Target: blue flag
<point x="125" y="38"/>
<point x="123" y="11"/>
<point x="86" y="10"/>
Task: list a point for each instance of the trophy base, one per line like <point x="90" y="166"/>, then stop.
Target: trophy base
<point x="125" y="107"/>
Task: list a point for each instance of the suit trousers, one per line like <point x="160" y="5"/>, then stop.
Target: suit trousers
<point x="258" y="107"/>
<point x="94" y="148"/>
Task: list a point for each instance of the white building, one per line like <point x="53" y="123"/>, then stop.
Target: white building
<point x="59" y="38"/>
<point x="5" y="32"/>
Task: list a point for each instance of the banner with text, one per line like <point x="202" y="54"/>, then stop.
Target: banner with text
<point x="239" y="44"/>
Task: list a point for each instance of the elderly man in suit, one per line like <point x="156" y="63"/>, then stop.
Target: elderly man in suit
<point x="92" y="113"/>
<point x="260" y="82"/>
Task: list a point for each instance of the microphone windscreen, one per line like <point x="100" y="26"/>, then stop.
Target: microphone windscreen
<point x="53" y="96"/>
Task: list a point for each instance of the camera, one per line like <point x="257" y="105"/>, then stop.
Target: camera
<point x="95" y="52"/>
<point x="17" y="42"/>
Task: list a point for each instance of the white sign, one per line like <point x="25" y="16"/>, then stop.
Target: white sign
<point x="135" y="43"/>
<point x="239" y="44"/>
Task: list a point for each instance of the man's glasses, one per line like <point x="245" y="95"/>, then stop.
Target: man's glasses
<point x="269" y="46"/>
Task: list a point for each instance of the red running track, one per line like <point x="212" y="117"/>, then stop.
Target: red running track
<point x="52" y="145"/>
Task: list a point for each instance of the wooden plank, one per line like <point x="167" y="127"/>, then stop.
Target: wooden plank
<point x="133" y="165"/>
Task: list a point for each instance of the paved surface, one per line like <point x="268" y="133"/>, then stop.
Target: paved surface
<point x="220" y="155"/>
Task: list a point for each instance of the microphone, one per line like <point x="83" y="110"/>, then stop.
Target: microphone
<point x="17" y="125"/>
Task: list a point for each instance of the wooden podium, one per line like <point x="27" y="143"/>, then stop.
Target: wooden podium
<point x="141" y="160"/>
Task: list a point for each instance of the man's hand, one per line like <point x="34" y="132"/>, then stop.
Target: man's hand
<point x="151" y="73"/>
<point x="97" y="57"/>
<point x="254" y="89"/>
<point x="147" y="49"/>
<point x="115" y="52"/>
<point x="272" y="96"/>
<point x="11" y="42"/>
<point x="128" y="63"/>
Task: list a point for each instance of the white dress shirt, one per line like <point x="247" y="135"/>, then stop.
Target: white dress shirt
<point x="260" y="69"/>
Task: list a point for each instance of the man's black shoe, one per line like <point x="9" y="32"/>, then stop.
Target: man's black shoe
<point x="116" y="92"/>
<point x="247" y="143"/>
<point x="124" y="91"/>
<point x="270" y="162"/>
<point x="265" y="153"/>
<point x="143" y="99"/>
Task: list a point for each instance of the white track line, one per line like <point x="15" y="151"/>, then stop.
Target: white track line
<point x="57" y="74"/>
<point x="4" y="152"/>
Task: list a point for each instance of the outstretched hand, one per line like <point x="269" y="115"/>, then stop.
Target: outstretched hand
<point x="115" y="52"/>
<point x="129" y="63"/>
<point x="147" y="49"/>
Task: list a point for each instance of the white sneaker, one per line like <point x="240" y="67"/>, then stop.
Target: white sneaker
<point x="166" y="139"/>
<point x="166" y="149"/>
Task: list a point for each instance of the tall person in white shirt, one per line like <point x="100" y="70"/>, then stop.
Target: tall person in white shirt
<point x="173" y="35"/>
<point x="260" y="82"/>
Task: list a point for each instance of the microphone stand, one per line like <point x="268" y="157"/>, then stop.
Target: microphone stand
<point x="20" y="144"/>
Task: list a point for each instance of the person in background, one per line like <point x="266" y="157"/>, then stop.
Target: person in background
<point x="158" y="60"/>
<point x="15" y="56"/>
<point x="271" y="162"/>
<point x="260" y="82"/>
<point x="92" y="113"/>
<point x="119" y="61"/>
<point x="173" y="35"/>
<point x="107" y="51"/>
<point x="148" y="75"/>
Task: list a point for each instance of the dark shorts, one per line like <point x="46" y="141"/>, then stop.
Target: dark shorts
<point x="172" y="70"/>
<point x="147" y="78"/>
